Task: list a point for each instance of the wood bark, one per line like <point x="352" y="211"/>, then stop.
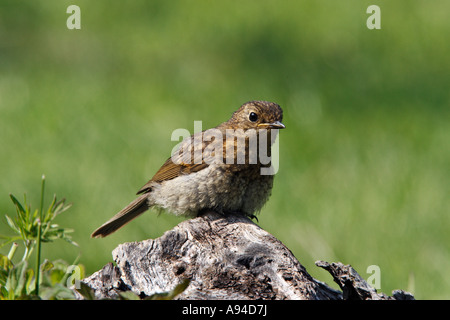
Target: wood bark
<point x="224" y="257"/>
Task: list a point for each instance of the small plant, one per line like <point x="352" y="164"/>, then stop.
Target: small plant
<point x="88" y="293"/>
<point x="49" y="280"/>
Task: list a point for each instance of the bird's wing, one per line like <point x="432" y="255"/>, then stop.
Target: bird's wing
<point x="182" y="162"/>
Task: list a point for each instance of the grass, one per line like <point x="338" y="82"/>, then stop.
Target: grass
<point x="364" y="160"/>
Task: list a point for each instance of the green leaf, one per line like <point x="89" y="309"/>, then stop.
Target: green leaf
<point x="15" y="283"/>
<point x="56" y="276"/>
<point x="17" y="203"/>
<point x="29" y="284"/>
<point x="128" y="295"/>
<point x="46" y="266"/>
<point x="57" y="292"/>
<point x="86" y="291"/>
<point x="171" y="294"/>
<point x="29" y="297"/>
<point x="5" y="263"/>
<point x="3" y="293"/>
<point x="12" y="224"/>
<point x="49" y="214"/>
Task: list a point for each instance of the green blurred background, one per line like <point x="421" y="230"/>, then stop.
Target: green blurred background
<point x="364" y="162"/>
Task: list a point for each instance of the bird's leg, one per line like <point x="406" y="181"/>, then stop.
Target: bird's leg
<point x="225" y="212"/>
<point x="241" y="213"/>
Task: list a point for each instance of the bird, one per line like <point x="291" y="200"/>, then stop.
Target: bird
<point x="219" y="169"/>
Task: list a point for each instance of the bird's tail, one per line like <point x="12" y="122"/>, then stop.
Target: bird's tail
<point x="131" y="211"/>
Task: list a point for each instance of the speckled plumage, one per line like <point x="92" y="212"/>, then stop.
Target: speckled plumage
<point x="187" y="185"/>
<point x="216" y="188"/>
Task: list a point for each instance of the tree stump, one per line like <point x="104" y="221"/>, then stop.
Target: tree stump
<point x="224" y="257"/>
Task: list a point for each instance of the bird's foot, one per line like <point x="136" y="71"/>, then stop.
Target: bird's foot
<point x="224" y="213"/>
<point x="252" y="216"/>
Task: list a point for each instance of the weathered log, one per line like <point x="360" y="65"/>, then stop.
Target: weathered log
<point x="224" y="257"/>
<point x="354" y="287"/>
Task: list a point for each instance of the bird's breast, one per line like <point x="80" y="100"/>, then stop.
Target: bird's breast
<point x="222" y="187"/>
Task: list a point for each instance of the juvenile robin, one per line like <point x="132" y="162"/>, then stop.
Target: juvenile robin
<point x="220" y="169"/>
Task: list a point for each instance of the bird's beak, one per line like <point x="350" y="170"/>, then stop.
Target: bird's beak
<point x="273" y="125"/>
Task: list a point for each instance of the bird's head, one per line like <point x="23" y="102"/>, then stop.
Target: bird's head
<point x="257" y="115"/>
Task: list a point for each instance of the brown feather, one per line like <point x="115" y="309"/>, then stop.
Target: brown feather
<point x="185" y="163"/>
<point x="169" y="171"/>
<point x="133" y="210"/>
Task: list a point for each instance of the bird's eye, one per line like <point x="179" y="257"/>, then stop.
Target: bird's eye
<point x="253" y="117"/>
